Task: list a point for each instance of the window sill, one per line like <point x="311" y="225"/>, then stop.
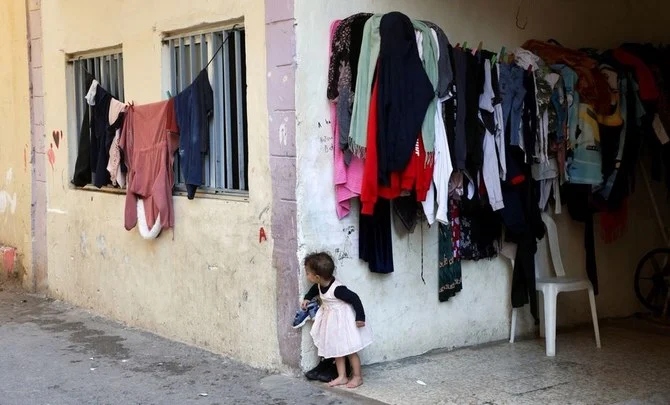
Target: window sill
<point x="206" y="193"/>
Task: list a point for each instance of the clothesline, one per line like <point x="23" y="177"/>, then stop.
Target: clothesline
<point x="232" y="30"/>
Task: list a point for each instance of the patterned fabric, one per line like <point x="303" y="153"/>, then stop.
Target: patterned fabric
<point x="114" y="165"/>
<point x="477" y="228"/>
<point x="341" y="51"/>
<point x="449" y="266"/>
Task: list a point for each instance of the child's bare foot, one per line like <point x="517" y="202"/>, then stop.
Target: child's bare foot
<point x="338" y="381"/>
<point x="355" y="381"/>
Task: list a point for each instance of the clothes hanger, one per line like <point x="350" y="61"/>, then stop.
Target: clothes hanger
<point x="479" y="48"/>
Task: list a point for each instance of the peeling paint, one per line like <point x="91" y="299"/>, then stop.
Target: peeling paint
<point x="7" y="202"/>
<point x="283" y="136"/>
<point x="56" y="211"/>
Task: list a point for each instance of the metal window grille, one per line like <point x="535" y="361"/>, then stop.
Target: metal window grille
<point x="225" y="167"/>
<point x="107" y="69"/>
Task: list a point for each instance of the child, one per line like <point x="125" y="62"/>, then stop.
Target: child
<point x="339" y="326"/>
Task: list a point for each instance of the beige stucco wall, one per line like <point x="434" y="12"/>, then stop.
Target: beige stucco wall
<point x="404" y="313"/>
<point x="210" y="283"/>
<point x="15" y="171"/>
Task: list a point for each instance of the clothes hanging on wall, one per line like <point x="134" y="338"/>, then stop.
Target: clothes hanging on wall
<point x="404" y="94"/>
<point x="348" y="175"/>
<point x="449" y="266"/>
<point x="500" y="137"/>
<point x="375" y="244"/>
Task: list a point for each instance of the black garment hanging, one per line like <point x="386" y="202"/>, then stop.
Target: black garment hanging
<point x="82" y="168"/>
<point x="523" y="223"/>
<point x="405" y="92"/>
<point x="355" y="41"/>
<point x="462" y="83"/>
<point x="375" y="244"/>
<point x="578" y="198"/>
<point x="406" y="209"/>
<point x="529" y="115"/>
<point x="193" y="107"/>
<point x="474" y="128"/>
<point x="102" y="137"/>
<point x="481" y="228"/>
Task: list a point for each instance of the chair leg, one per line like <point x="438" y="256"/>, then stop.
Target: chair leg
<point x="512" y="331"/>
<point x="550" y="321"/>
<point x="594" y="315"/>
<point x="540" y="313"/>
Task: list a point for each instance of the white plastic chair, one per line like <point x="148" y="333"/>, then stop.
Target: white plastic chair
<point x="550" y="287"/>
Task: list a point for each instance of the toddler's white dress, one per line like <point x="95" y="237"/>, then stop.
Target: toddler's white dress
<point x="334" y="331"/>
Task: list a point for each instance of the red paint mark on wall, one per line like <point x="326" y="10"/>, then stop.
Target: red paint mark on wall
<point x="8" y="258"/>
<point x="261" y="235"/>
<point x="25" y="158"/>
<point x="52" y="156"/>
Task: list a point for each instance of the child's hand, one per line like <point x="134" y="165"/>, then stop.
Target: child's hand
<point x="304" y="304"/>
<point x="360" y="324"/>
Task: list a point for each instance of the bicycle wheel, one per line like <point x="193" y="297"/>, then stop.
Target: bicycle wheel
<point x="651" y="279"/>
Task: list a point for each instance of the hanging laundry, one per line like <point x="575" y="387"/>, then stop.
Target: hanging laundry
<point x="348" y="179"/>
<point x="193" y="107"/>
<point x="591" y="86"/>
<point x="480" y="230"/>
<point x="115" y="167"/>
<point x="417" y="175"/>
<point x="445" y="81"/>
<point x="513" y="93"/>
<point x="499" y="134"/>
<point x="474" y="128"/>
<point x="375" y="244"/>
<point x="367" y="65"/>
<point x="405" y="92"/>
<point x="99" y="100"/>
<point x="490" y="167"/>
<point x="82" y="168"/>
<point x="149" y="140"/>
<point x="438" y="193"/>
<point x="345" y="45"/>
<point x="585" y="163"/>
<point x="449" y="263"/>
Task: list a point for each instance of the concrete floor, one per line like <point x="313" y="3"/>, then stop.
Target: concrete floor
<point x="632" y="368"/>
<point x="55" y="354"/>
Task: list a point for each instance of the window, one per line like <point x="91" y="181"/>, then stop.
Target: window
<point x="107" y="68"/>
<point x="225" y="167"/>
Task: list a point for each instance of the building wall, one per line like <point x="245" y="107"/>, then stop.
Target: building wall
<point x="280" y="34"/>
<point x="15" y="143"/>
<point x="211" y="282"/>
<point x="404" y="313"/>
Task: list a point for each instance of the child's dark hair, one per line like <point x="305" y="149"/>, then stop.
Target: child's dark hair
<point x="320" y="264"/>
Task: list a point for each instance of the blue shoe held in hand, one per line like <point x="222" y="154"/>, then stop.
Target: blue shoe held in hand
<point x="301" y="316"/>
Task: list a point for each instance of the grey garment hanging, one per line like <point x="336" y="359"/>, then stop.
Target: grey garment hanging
<point x="444" y="67"/>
